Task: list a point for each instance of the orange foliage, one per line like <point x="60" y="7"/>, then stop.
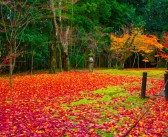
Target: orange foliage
<point x="146" y="43"/>
<point x="121" y="47"/>
<point x="140" y="42"/>
<point x="136" y="42"/>
<point x="118" y="42"/>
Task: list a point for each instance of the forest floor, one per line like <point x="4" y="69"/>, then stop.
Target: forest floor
<point x="104" y="103"/>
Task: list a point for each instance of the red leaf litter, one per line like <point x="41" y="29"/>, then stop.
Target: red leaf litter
<point x="41" y="106"/>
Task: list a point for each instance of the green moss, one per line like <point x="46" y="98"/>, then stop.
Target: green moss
<point x="134" y="101"/>
<point x="106" y="98"/>
<point x="82" y="101"/>
<point x="71" y="117"/>
<point x="75" y="123"/>
<point x="100" y="132"/>
<point x="111" y="91"/>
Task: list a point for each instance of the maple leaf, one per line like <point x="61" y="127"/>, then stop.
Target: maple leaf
<point x="78" y="104"/>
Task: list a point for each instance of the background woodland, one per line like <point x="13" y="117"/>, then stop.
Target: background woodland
<point x="59" y="35"/>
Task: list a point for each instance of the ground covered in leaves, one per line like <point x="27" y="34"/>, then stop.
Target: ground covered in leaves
<point x="81" y="104"/>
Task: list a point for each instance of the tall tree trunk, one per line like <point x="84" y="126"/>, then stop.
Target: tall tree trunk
<point x="53" y="62"/>
<point x="134" y="60"/>
<point x="63" y="37"/>
<point x="64" y="42"/>
<point x="66" y="62"/>
<point x="56" y="47"/>
<point x="60" y="57"/>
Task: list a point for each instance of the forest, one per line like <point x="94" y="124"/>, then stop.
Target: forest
<point x="60" y="35"/>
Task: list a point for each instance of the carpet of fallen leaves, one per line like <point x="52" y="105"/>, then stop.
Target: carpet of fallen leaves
<point x="41" y="105"/>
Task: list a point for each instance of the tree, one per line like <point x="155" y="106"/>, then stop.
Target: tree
<point x="14" y="18"/>
<point x="146" y="46"/>
<point x="61" y="23"/>
<point x="55" y="46"/>
<point x="123" y="47"/>
<point x="64" y="32"/>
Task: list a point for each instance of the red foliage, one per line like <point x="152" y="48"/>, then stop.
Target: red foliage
<point x="13" y="57"/>
<point x="40" y="105"/>
<point x="5" y="60"/>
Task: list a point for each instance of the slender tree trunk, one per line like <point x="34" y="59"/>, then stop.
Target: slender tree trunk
<point x="138" y="60"/>
<point x="10" y="74"/>
<point x="10" y="68"/>
<point x="122" y="65"/>
<point x="32" y="61"/>
<point x="157" y="62"/>
<point x="134" y="61"/>
<point x="99" y="60"/>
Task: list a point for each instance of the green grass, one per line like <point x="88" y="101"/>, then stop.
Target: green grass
<point x="156" y="73"/>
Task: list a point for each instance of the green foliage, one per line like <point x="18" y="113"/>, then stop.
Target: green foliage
<point x="165" y="50"/>
<point x="156" y="16"/>
<point x="90" y="54"/>
<point x="90" y="21"/>
<point x="0" y="47"/>
<point x="119" y="67"/>
<point x="77" y="60"/>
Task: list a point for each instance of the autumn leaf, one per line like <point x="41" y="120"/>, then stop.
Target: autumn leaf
<point x="79" y="104"/>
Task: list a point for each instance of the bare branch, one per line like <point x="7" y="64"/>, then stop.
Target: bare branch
<point x="2" y="2"/>
<point x="4" y="25"/>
